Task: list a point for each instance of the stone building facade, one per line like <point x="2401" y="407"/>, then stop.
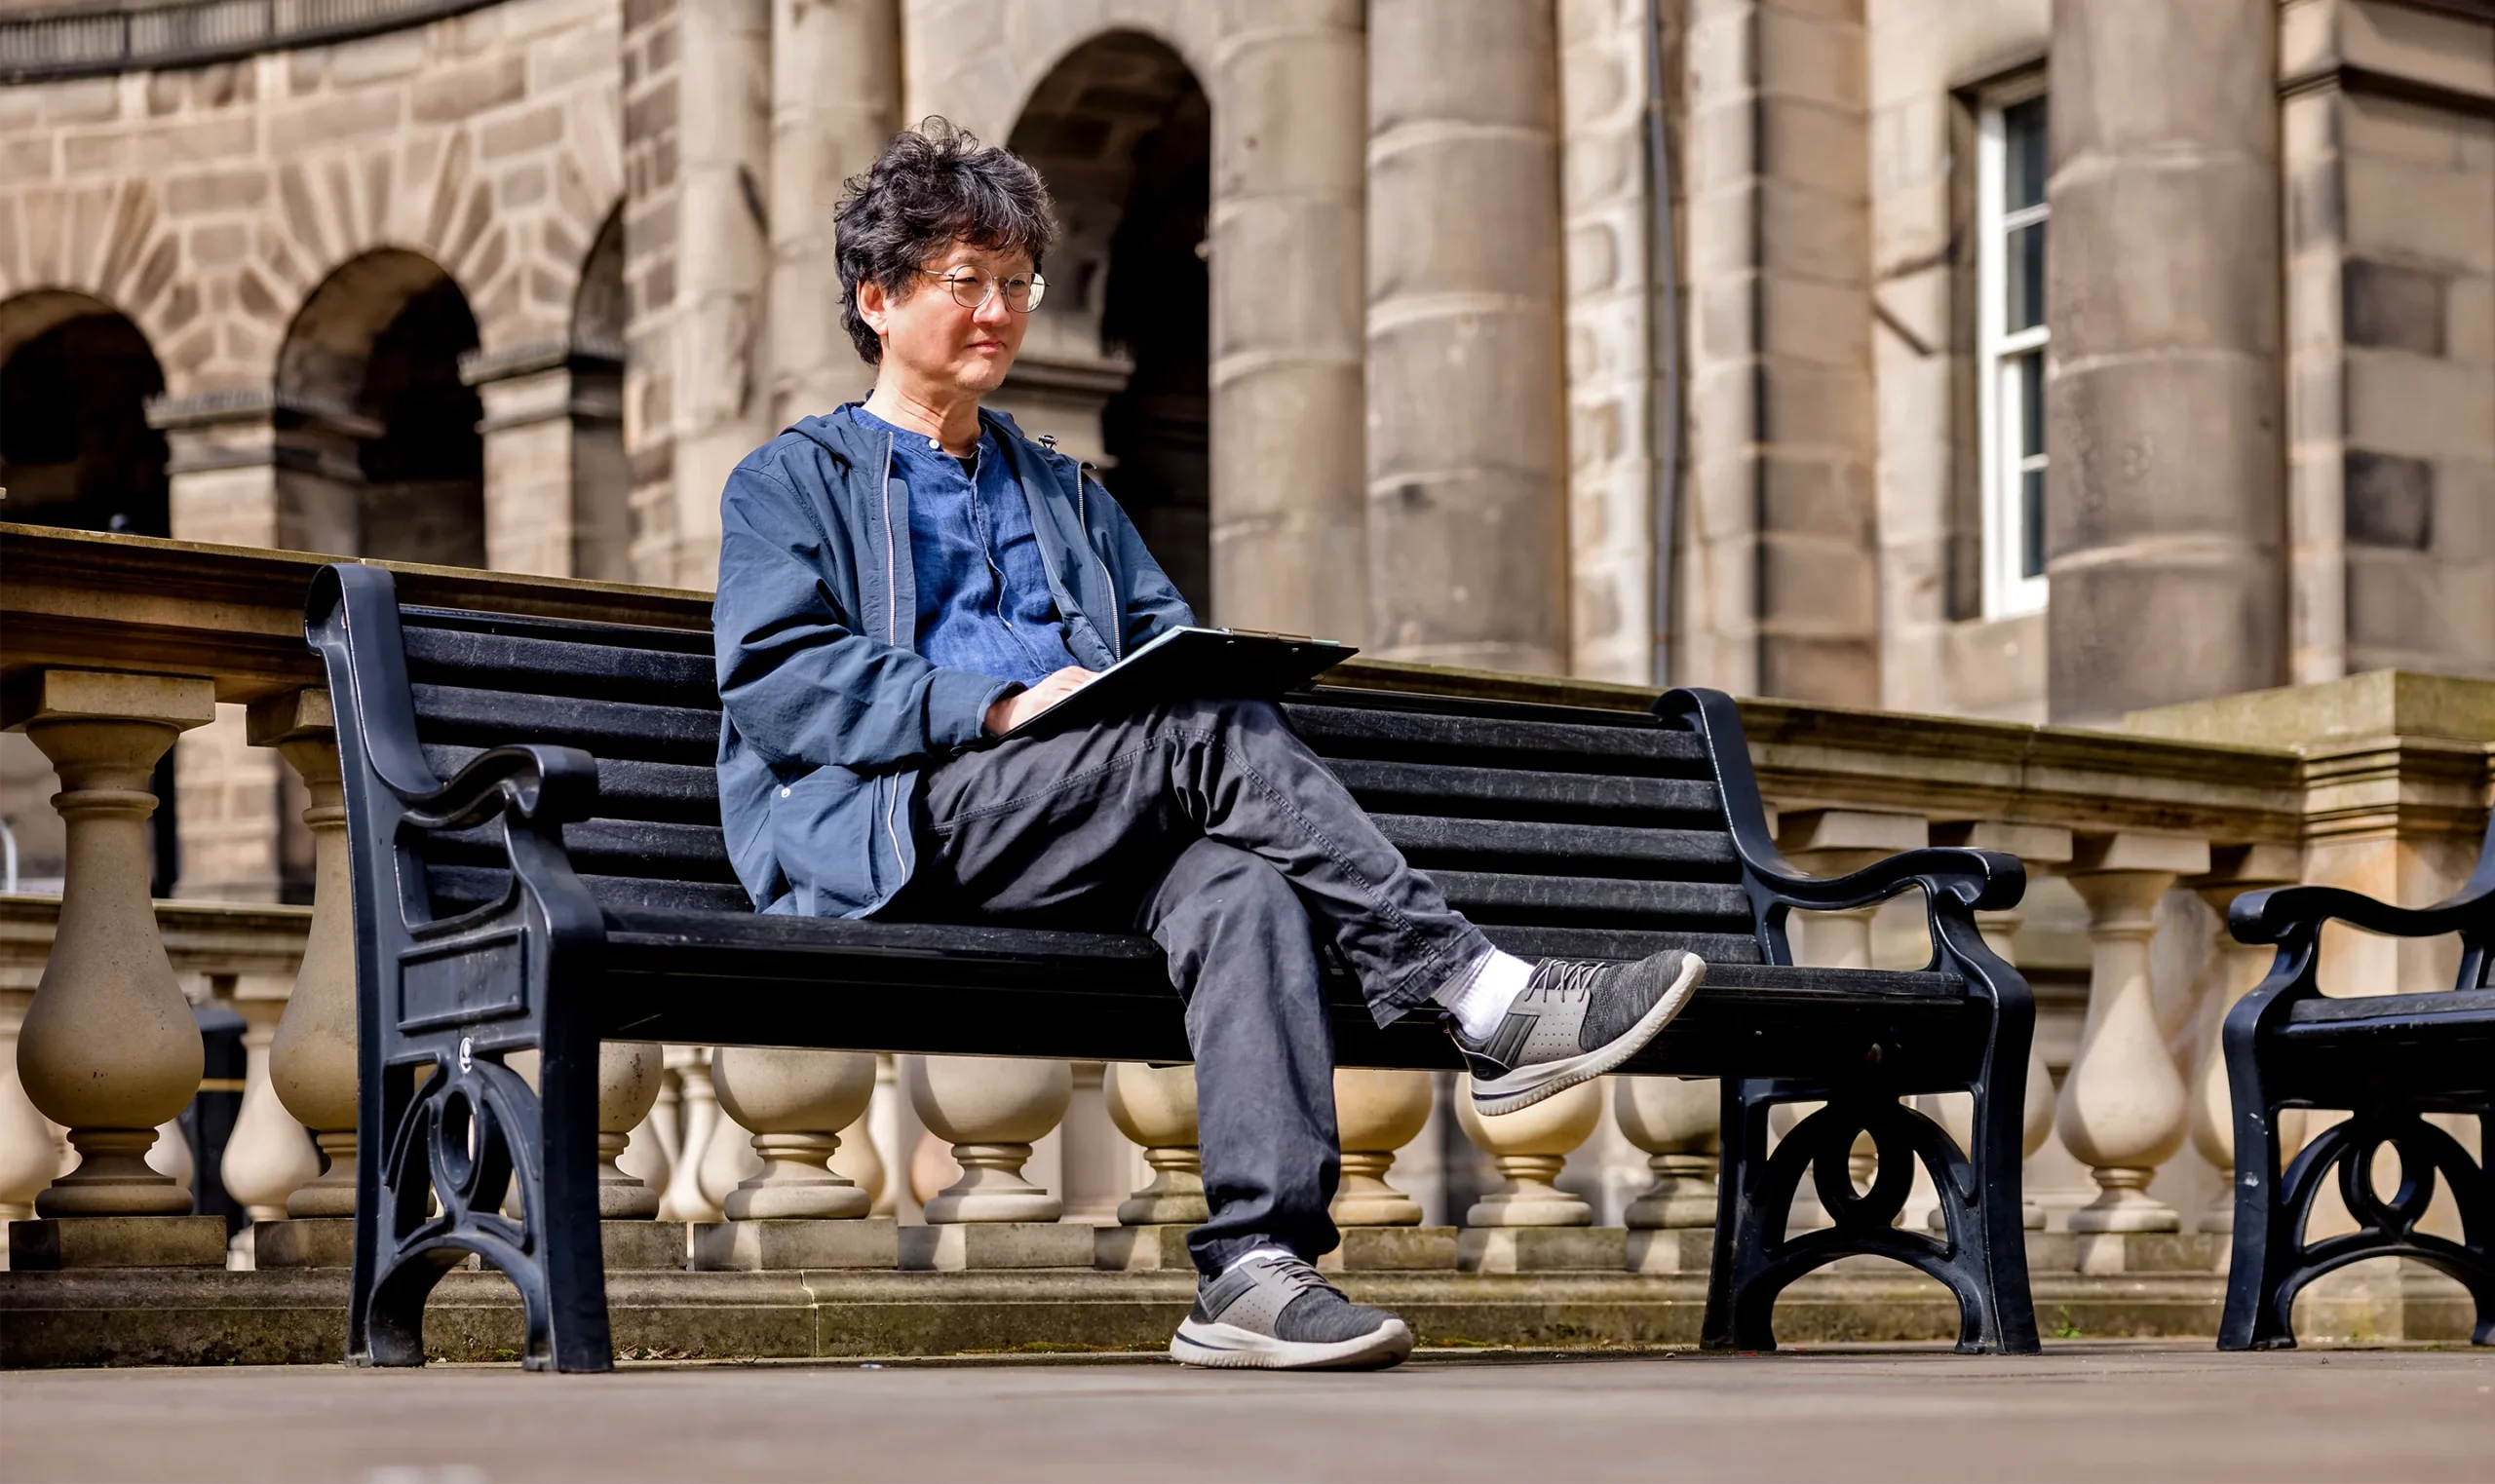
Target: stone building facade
<point x="1704" y="340"/>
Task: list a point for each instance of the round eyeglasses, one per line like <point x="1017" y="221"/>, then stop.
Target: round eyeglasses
<point x="972" y="288"/>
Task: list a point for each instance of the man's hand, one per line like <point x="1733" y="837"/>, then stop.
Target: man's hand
<point x="1021" y="706"/>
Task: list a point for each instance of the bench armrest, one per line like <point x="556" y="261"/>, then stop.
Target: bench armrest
<point x="2275" y="914"/>
<point x="1957" y="881"/>
<point x="541" y="786"/>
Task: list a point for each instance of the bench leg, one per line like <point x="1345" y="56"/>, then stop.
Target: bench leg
<point x="1984" y="1260"/>
<point x="2271" y="1262"/>
<point x="470" y="1137"/>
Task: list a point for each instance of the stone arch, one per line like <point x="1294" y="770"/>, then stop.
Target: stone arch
<point x="75" y="448"/>
<point x="367" y="387"/>
<point x="1116" y="361"/>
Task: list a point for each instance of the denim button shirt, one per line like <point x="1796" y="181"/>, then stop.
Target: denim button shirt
<point x="983" y="603"/>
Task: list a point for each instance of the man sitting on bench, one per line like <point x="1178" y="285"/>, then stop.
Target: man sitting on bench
<point x="903" y="580"/>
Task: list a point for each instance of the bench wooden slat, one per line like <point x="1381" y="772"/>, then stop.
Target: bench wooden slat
<point x="559" y="667"/>
<point x="457" y="888"/>
<point x="1413" y="788"/>
<point x="2334" y="1013"/>
<point x="1637" y="855"/>
<point x="1488" y="897"/>
<point x="666" y="734"/>
<point x="1636" y="743"/>
<point x="636" y="848"/>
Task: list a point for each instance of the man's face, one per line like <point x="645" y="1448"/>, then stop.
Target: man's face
<point x="931" y="337"/>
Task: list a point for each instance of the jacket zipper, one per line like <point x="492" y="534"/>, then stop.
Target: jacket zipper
<point x="892" y="636"/>
<point x="1083" y="518"/>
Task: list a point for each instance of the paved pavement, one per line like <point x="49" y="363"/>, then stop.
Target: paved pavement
<point x="2133" y="1413"/>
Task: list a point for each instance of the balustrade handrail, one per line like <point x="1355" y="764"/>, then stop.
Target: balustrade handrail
<point x="89" y="42"/>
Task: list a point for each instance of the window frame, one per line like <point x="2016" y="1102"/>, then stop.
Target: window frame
<point x="2008" y="591"/>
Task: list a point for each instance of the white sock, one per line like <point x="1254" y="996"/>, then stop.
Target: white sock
<point x="1478" y="995"/>
<point x="1268" y="1250"/>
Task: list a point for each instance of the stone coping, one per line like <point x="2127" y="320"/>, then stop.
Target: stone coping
<point x="251" y="940"/>
<point x="234" y="614"/>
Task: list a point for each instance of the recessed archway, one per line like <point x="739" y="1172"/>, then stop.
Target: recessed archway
<point x="601" y="472"/>
<point x="369" y="380"/>
<point x="1122" y="131"/>
<point x="75" y="448"/>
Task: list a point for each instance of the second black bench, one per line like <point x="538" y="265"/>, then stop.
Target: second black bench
<point x="569" y="883"/>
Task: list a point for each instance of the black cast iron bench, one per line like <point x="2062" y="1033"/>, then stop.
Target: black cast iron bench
<point x="2388" y="1060"/>
<point x="538" y="861"/>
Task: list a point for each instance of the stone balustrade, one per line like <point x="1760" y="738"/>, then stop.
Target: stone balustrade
<point x="2135" y="840"/>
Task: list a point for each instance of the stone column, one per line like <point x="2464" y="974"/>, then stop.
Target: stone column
<point x="312" y="1062"/>
<point x="1155" y="1107"/>
<point x="836" y="100"/>
<point x="992" y="1110"/>
<point x="697" y="145"/>
<point x="1467" y="452"/>
<point x="2238" y="967"/>
<point x="2165" y="529"/>
<point x="1527" y="1224"/>
<point x="108" y="1047"/>
<point x="1290" y="512"/>
<point x="2123" y="1106"/>
<point x="629" y="1073"/>
<point x="1778" y="591"/>
<point x="1672" y="1227"/>
<point x="552" y="506"/>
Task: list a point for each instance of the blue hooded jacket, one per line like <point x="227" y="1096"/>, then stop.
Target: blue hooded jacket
<point x="830" y="713"/>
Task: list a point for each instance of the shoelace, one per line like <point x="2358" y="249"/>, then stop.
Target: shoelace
<point x="1555" y="984"/>
<point x="1296" y="1274"/>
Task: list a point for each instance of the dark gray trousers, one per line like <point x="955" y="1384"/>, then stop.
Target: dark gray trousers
<point x="1210" y="825"/>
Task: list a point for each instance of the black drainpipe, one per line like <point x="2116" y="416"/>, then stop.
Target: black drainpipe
<point x="1663" y="345"/>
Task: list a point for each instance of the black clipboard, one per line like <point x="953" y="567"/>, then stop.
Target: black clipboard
<point x="1196" y="664"/>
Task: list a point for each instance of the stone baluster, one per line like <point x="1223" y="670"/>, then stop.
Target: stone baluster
<point x="2123" y="1106"/>
<point x="109" y="1048"/>
<point x="29" y="1151"/>
<point x="859" y="1161"/>
<point x="268" y="1157"/>
<point x="1836" y="842"/>
<point x="2241" y="967"/>
<point x="1095" y="1163"/>
<point x="629" y="1074"/>
<point x="312" y="1062"/>
<point x="992" y="1110"/>
<point x="1527" y="1224"/>
<point x="650" y="1149"/>
<point x="728" y="1159"/>
<point x="683" y="1200"/>
<point x="1675" y="1121"/>
<point x="795" y="1211"/>
<point x="1377" y="1112"/>
<point x="1155" y="1107"/>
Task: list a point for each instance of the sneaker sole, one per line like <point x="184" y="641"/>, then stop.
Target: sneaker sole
<point x="1228" y="1346"/>
<point x="1529" y="1086"/>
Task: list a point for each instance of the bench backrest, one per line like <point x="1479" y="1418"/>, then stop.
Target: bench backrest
<point x="1556" y="829"/>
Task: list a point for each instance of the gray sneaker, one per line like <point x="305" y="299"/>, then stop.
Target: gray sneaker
<point x="1575" y="1019"/>
<point x="1273" y="1312"/>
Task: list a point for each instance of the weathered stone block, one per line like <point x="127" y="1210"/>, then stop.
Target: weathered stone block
<point x="1684" y="1250"/>
<point x="971" y="1245"/>
<point x="315" y="1242"/>
<point x="2104" y="1252"/>
<point x="2389" y="501"/>
<point x="1393" y="1249"/>
<point x="62" y="1244"/>
<point x="871" y="1242"/>
<point x="1156" y="1248"/>
<point x="1542" y="1249"/>
<point x="2386" y="305"/>
<point x="642" y="1244"/>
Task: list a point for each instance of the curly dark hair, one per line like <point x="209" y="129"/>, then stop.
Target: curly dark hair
<point x="933" y="185"/>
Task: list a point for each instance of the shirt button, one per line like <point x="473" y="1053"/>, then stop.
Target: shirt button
<point x="784" y="793"/>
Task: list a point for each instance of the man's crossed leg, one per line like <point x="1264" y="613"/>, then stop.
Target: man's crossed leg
<point x="1212" y="827"/>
